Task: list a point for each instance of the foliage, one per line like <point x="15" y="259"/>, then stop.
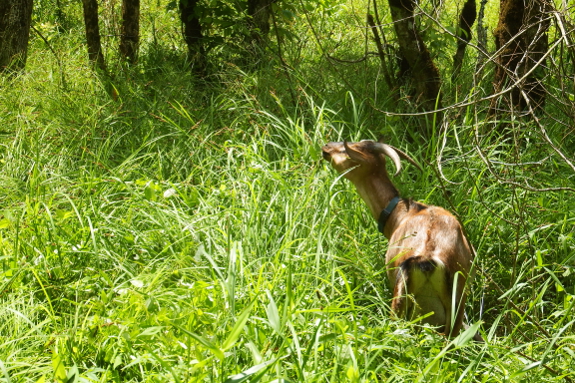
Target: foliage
<point x="158" y="229"/>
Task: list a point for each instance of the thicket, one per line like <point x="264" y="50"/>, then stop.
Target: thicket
<point x="156" y="226"/>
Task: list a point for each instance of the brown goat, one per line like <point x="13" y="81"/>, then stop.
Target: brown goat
<point x="428" y="253"/>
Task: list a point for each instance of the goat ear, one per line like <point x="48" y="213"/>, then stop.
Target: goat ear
<point x="354" y="154"/>
<point x="391" y="153"/>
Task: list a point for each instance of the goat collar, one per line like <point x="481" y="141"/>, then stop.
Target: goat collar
<point x="385" y="213"/>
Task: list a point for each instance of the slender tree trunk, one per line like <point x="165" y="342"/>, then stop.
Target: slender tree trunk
<point x="15" y="20"/>
<point x="521" y="38"/>
<point x="386" y="73"/>
<point x="481" y="41"/>
<point x="61" y="20"/>
<point x="537" y="44"/>
<point x="466" y="20"/>
<point x="192" y="31"/>
<point x="259" y="13"/>
<point x="423" y="73"/>
<point x="95" y="54"/>
<point x="130" y="37"/>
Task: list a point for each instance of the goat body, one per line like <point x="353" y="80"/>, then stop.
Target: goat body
<point x="428" y="255"/>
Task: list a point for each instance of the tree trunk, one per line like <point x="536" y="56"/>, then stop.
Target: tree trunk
<point x="386" y="73"/>
<point x="521" y="39"/>
<point x="95" y="54"/>
<point x="423" y="73"/>
<point x="259" y="12"/>
<point x="15" y="20"/>
<point x="130" y="36"/>
<point x="481" y="41"/>
<point x="466" y="20"/>
<point x="192" y="31"/>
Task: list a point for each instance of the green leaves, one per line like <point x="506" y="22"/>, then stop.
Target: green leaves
<point x="189" y="231"/>
<point x="231" y="338"/>
<point x="209" y="345"/>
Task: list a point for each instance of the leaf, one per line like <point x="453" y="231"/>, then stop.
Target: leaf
<point x="464" y="338"/>
<point x="287" y="14"/>
<point x="150" y="193"/>
<point x="117" y="361"/>
<point x="59" y="369"/>
<point x="249" y="372"/>
<point x="273" y="315"/>
<point x="521" y="372"/>
<point x="256" y="354"/>
<point x="238" y="328"/>
<point x="558" y="285"/>
<point x="215" y="350"/>
<point x="5" y="371"/>
<point x="209" y="345"/>
<point x="4" y="223"/>
<point x="328" y="337"/>
<point x="539" y="258"/>
<point x="150" y="331"/>
<point x="64" y="214"/>
<point x="73" y="374"/>
<point x="352" y="374"/>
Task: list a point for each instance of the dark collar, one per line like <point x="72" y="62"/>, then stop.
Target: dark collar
<point x="385" y="213"/>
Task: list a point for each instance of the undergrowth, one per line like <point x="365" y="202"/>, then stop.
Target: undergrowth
<point x="157" y="229"/>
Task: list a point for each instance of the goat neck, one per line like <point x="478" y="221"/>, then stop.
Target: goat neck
<point x="363" y="163"/>
<point x="377" y="191"/>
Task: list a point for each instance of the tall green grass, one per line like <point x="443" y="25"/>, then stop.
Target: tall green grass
<point x="154" y="230"/>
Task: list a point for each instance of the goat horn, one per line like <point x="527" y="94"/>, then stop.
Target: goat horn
<point x="406" y="157"/>
<point x="391" y="153"/>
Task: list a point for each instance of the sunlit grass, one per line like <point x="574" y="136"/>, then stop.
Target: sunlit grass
<point x="152" y="230"/>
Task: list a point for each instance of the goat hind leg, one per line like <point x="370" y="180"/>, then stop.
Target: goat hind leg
<point x="399" y="302"/>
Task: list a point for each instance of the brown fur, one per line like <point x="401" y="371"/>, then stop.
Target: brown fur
<point x="427" y="247"/>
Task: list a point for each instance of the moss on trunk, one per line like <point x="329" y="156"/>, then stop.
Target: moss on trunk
<point x="521" y="40"/>
<point x="130" y="38"/>
<point x="15" y="19"/>
<point x="423" y="73"/>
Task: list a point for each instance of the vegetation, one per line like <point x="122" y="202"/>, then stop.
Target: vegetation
<point x="159" y="227"/>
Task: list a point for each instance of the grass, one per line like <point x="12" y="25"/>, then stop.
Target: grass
<point x="164" y="232"/>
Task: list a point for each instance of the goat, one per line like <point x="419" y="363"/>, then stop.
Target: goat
<point x="428" y="253"/>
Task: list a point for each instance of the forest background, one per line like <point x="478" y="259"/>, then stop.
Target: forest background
<point x="165" y="215"/>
